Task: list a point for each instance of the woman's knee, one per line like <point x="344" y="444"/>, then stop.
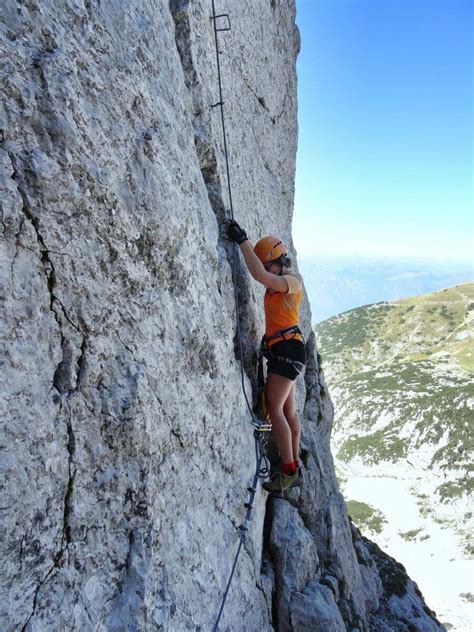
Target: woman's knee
<point x="276" y="412"/>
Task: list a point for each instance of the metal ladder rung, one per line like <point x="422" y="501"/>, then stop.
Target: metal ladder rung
<point x="222" y="15"/>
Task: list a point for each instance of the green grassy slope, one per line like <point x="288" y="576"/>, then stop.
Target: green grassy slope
<point x="402" y="377"/>
<point x="435" y="326"/>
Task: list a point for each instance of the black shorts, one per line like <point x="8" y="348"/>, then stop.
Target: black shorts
<point x="291" y="350"/>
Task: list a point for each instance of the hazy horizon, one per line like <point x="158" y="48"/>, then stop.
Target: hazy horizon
<point x="431" y="261"/>
<point x="338" y="284"/>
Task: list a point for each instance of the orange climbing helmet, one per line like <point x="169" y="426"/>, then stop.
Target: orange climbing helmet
<point x="269" y="248"/>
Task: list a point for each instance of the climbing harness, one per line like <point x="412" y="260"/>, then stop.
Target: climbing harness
<point x="221" y="23"/>
<point x="266" y="351"/>
<point x="294" y="330"/>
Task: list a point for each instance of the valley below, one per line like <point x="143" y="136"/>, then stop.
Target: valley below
<point x="401" y="376"/>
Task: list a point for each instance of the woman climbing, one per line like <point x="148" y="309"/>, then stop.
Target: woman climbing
<point x="268" y="263"/>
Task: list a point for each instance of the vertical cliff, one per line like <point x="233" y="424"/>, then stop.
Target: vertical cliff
<point x="127" y="448"/>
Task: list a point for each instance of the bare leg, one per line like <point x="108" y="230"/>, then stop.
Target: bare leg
<point x="291" y="416"/>
<point x="277" y="390"/>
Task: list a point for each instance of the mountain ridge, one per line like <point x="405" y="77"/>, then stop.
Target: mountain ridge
<point x="339" y="284"/>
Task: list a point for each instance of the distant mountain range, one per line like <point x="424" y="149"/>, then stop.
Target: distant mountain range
<point x="401" y="375"/>
<point x="337" y="284"/>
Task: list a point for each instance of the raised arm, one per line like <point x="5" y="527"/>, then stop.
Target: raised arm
<point x="254" y="265"/>
<point x="258" y="271"/>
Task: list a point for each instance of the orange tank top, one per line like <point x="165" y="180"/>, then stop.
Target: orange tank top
<point x="282" y="309"/>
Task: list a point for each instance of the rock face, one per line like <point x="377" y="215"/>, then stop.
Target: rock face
<point x="128" y="447"/>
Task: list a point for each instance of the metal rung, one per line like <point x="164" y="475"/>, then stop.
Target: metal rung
<point x="248" y="505"/>
<point x="252" y="490"/>
<point x="215" y="105"/>
<point x="222" y="15"/>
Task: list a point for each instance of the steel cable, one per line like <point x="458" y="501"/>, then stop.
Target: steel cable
<point x="260" y="452"/>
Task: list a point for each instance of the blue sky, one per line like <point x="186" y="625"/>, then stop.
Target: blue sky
<point x="385" y="164"/>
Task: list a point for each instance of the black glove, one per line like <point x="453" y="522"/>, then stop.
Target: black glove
<point x="235" y="233"/>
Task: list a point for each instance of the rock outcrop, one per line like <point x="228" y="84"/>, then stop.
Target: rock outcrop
<point x="127" y="447"/>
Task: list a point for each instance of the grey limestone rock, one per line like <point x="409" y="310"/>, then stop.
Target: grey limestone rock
<point x="315" y="610"/>
<point x="332" y="583"/>
<point x="293" y="555"/>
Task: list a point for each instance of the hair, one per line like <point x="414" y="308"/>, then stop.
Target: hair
<point x="283" y="260"/>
